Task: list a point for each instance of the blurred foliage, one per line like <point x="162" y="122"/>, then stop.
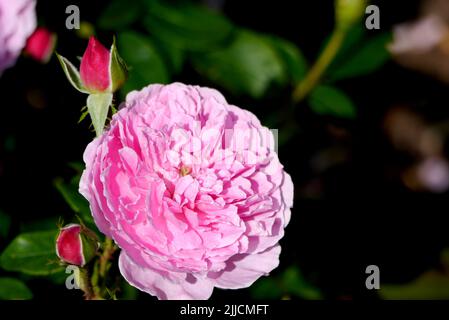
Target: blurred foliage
<point x="248" y="66"/>
<point x="431" y="285"/>
<point x="5" y="222"/>
<point x="290" y="283"/>
<point x="119" y="14"/>
<point x="187" y="26"/>
<point x="14" y="289"/>
<point x="327" y="100"/>
<point x="369" y="56"/>
<point x="32" y="253"/>
<point x="241" y="61"/>
<point x="69" y="191"/>
<point x="42" y="224"/>
<point x="144" y="60"/>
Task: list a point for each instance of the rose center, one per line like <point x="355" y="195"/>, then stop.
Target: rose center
<point x="184" y="170"/>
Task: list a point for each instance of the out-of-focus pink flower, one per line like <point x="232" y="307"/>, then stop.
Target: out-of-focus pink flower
<point x="17" y="22"/>
<point x="40" y="44"/>
<point x="423" y="44"/>
<point x="433" y="174"/>
<point x="76" y="244"/>
<point x="191" y="189"/>
<point x="420" y="36"/>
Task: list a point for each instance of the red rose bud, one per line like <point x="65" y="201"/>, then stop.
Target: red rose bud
<point x="76" y="244"/>
<point x="101" y="70"/>
<point x="94" y="70"/>
<point x="40" y="45"/>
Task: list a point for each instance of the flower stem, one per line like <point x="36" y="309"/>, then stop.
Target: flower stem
<point x="100" y="270"/>
<point x="318" y="69"/>
<point x="108" y="251"/>
<point x="86" y="285"/>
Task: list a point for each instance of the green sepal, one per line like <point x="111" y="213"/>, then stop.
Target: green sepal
<point x="90" y="244"/>
<point x="71" y="73"/>
<point x="118" y="69"/>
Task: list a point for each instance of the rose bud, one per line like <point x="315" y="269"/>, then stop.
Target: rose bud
<point x="97" y="69"/>
<point x="76" y="244"/>
<point x="101" y="70"/>
<point x="40" y="45"/>
<point x="348" y="12"/>
<point x="94" y="69"/>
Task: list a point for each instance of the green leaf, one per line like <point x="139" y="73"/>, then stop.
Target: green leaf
<point x="120" y="14"/>
<point x="145" y="63"/>
<point x="295" y="64"/>
<point x="74" y="199"/>
<point x="327" y="100"/>
<point x="248" y="66"/>
<point x="83" y="116"/>
<point x="98" y="106"/>
<point x="14" y="289"/>
<point x="187" y="26"/>
<point x="367" y="58"/>
<point x="32" y="253"/>
<point x="71" y="73"/>
<point x="5" y="222"/>
<point x="430" y="285"/>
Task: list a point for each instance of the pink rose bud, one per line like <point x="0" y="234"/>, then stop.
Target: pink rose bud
<point x="94" y="69"/>
<point x="76" y="244"/>
<point x="101" y="70"/>
<point x="40" y="45"/>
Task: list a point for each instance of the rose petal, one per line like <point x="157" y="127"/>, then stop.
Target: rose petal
<point x="152" y="282"/>
<point x="244" y="269"/>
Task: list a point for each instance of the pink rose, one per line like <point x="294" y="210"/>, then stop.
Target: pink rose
<point x="191" y="189"/>
<point x="17" y="22"/>
<point x="40" y="44"/>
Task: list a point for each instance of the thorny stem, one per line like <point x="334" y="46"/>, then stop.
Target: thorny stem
<point x="94" y="287"/>
<point x="108" y="251"/>
<point x="86" y="285"/>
